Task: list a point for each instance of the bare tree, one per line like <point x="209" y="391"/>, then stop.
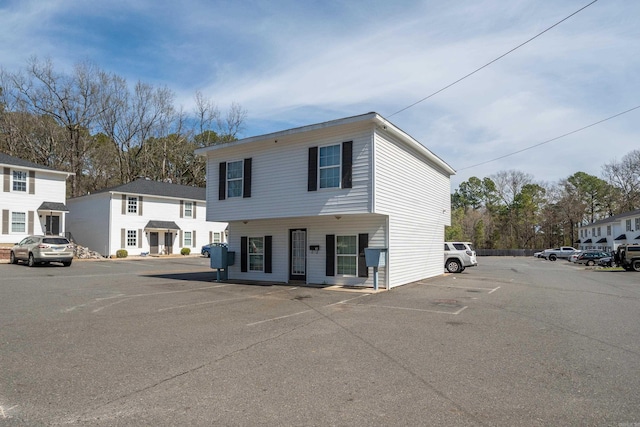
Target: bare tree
<point x="625" y="176"/>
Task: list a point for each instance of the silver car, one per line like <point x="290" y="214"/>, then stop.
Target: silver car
<point x="42" y="249"/>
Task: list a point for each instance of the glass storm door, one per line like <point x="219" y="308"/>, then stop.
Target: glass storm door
<point x="298" y="256"/>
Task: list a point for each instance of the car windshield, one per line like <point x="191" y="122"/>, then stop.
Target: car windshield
<point x="55" y="240"/>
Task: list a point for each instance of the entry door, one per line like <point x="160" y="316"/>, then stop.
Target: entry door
<point x="153" y="243"/>
<point x="298" y="254"/>
<point x="168" y="243"/>
<point x="52" y="225"/>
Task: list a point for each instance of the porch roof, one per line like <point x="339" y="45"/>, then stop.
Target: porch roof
<point x="161" y="225"/>
<point x="53" y="207"/>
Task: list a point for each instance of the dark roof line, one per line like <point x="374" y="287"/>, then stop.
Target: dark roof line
<point x="144" y="186"/>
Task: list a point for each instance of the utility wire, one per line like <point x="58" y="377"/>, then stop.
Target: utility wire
<point x="491" y="62"/>
<point x="552" y="139"/>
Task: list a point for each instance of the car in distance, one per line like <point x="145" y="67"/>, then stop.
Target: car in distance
<point x="606" y="261"/>
<point x="458" y="256"/>
<point x="561" y="252"/>
<point x="206" y="249"/>
<point x="574" y="256"/>
<point x="42" y="249"/>
<point x="590" y="258"/>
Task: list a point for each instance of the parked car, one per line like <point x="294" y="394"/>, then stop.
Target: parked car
<point x="458" y="256"/>
<point x="606" y="261"/>
<point x="206" y="249"/>
<point x="538" y="254"/>
<point x="42" y="249"/>
<point x="590" y="258"/>
<point x="574" y="256"/>
<point x="561" y="252"/>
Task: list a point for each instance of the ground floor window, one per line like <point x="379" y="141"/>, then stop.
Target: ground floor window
<point x="187" y="239"/>
<point x="256" y="253"/>
<point x="347" y="255"/>
<point x="18" y="222"/>
<point x="216" y="237"/>
<point x="132" y="238"/>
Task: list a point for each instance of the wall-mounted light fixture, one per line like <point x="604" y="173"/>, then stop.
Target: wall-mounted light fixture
<point x="337" y="217"/>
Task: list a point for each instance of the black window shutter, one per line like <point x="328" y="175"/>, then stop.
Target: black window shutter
<point x="267" y="254"/>
<point x="246" y="190"/>
<point x="243" y="254"/>
<point x="312" y="184"/>
<point x="222" y="181"/>
<point x="331" y="255"/>
<point x="347" y="163"/>
<point x="363" y="242"/>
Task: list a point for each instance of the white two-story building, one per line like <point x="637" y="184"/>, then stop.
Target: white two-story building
<point x="303" y="204"/>
<point x="607" y="234"/>
<point x="143" y="217"/>
<point x="32" y="200"/>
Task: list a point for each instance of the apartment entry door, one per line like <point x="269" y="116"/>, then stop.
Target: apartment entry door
<point x="168" y="243"/>
<point x="154" y="248"/>
<point x="298" y="254"/>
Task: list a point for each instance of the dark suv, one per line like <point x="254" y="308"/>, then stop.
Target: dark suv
<point x="591" y="258"/>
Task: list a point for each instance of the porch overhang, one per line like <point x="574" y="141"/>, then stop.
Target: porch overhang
<point x="603" y="240"/>
<point x="621" y="237"/>
<point x="53" y="207"/>
<point x="161" y="225"/>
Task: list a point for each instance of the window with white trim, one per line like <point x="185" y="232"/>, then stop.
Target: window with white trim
<point x="132" y="205"/>
<point x="637" y="224"/>
<point x="347" y="255"/>
<point x="234" y="178"/>
<point x="608" y="230"/>
<point x="18" y="222"/>
<point x="188" y="209"/>
<point x="216" y="237"/>
<point x="132" y="238"/>
<point x="187" y="239"/>
<point x="256" y="253"/>
<point x="628" y="223"/>
<point x="19" y="181"/>
<point x="329" y="166"/>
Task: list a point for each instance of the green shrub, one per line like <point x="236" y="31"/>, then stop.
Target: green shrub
<point x="185" y="251"/>
<point x="122" y="253"/>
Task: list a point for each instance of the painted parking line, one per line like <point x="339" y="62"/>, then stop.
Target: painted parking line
<point x="490" y="290"/>
<point x="423" y="310"/>
<point x="4" y="412"/>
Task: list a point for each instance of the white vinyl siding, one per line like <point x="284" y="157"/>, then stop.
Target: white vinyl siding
<point x="280" y="172"/>
<point x="417" y="214"/>
<point x="317" y="228"/>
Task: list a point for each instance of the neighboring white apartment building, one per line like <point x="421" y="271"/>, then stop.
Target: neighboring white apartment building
<point x="303" y="204"/>
<point x="32" y="200"/>
<point x="143" y="217"/>
<point x="607" y="234"/>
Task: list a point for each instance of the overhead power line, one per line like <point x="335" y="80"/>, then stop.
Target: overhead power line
<point x="491" y="62"/>
<point x="552" y="139"/>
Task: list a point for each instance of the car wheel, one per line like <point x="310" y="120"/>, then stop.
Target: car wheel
<point x="31" y="261"/>
<point x="12" y="258"/>
<point x="67" y="263"/>
<point x="208" y="254"/>
<point x="552" y="257"/>
<point x="636" y="265"/>
<point x="453" y="266"/>
<point x="590" y="263"/>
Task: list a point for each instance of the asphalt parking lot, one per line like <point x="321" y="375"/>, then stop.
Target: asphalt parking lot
<point x="512" y="342"/>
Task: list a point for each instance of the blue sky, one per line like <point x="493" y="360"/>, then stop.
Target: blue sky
<point x="292" y="63"/>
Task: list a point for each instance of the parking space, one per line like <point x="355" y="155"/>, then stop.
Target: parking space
<point x="160" y="342"/>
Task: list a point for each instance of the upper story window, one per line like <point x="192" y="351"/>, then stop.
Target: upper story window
<point x="132" y="205"/>
<point x="608" y="230"/>
<point x="19" y="181"/>
<point x="628" y="225"/>
<point x="329" y="166"/>
<point x="234" y="179"/>
<point x="637" y="224"/>
<point x="188" y="209"/>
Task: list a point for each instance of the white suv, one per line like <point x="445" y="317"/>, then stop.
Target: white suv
<point x="458" y="256"/>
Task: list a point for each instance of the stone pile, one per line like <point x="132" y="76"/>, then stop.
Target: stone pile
<point x="85" y="253"/>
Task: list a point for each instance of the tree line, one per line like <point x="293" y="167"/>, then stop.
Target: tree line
<point x="106" y="131"/>
<point x="510" y="210"/>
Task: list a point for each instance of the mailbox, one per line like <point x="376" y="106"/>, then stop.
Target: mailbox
<point x="219" y="257"/>
<point x="375" y="257"/>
